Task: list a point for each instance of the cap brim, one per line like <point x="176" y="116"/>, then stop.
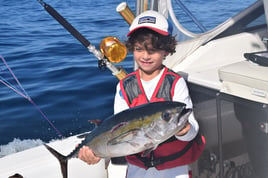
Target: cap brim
<point x="154" y="29"/>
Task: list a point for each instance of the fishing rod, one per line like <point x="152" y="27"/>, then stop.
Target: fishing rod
<point x="112" y="45"/>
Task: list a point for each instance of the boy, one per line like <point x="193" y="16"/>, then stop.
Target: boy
<point x="151" y="41"/>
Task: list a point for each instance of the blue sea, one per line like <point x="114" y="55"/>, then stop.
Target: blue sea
<point x="58" y="73"/>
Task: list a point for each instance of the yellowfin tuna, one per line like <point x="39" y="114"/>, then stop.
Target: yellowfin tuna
<point x="132" y="131"/>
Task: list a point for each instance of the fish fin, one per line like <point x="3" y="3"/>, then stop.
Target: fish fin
<point x="97" y="122"/>
<point x="62" y="159"/>
<point x="83" y="135"/>
<point x="107" y="161"/>
<point x="148" y="151"/>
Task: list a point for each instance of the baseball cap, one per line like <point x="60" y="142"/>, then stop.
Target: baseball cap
<point x="152" y="20"/>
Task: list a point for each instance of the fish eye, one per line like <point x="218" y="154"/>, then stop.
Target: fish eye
<point x="166" y="116"/>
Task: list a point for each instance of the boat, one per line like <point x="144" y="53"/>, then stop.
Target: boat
<point x="226" y="69"/>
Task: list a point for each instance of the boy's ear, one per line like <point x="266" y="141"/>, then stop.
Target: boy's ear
<point x="166" y="53"/>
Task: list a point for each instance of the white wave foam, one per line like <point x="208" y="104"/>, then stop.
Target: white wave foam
<point x="18" y="145"/>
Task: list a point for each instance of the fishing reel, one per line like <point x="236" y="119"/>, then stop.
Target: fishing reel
<point x="113" y="50"/>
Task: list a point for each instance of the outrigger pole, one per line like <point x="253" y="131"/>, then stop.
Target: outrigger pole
<point x="119" y="73"/>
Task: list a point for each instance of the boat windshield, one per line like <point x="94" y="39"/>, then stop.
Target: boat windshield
<point x="199" y="17"/>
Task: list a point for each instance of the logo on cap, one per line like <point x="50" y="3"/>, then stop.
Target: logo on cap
<point x="147" y="19"/>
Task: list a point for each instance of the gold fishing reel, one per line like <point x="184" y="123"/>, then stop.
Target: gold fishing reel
<point x="113" y="49"/>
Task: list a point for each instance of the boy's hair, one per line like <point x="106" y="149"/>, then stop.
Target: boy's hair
<point x="146" y="36"/>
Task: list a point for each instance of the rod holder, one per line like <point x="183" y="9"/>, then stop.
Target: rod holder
<point x="125" y="12"/>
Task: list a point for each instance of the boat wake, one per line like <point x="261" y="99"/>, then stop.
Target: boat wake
<point x="18" y="145"/>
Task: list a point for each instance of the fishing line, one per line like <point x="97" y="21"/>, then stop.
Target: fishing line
<point x="20" y="90"/>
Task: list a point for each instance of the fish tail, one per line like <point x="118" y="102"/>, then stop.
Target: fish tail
<point x="62" y="159"/>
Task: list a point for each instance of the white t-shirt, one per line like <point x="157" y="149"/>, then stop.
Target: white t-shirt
<point x="181" y="94"/>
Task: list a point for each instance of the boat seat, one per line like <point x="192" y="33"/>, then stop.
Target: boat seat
<point x="245" y="79"/>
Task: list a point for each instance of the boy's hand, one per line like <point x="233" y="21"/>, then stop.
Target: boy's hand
<point x="184" y="130"/>
<point x="86" y="154"/>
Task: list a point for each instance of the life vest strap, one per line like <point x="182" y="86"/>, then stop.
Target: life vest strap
<point x="153" y="162"/>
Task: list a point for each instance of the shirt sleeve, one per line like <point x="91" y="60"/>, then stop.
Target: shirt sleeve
<point x="181" y="94"/>
<point x="120" y="103"/>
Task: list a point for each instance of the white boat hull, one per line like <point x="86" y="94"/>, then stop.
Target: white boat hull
<point x="39" y="162"/>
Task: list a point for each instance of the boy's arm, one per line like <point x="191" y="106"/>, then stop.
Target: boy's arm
<point x="119" y="102"/>
<point x="181" y="94"/>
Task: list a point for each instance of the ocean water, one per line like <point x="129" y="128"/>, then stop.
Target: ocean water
<point x="58" y="73"/>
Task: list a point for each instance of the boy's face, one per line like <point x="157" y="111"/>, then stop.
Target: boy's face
<point x="148" y="59"/>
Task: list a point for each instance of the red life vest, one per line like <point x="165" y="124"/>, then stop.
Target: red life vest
<point x="173" y="152"/>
